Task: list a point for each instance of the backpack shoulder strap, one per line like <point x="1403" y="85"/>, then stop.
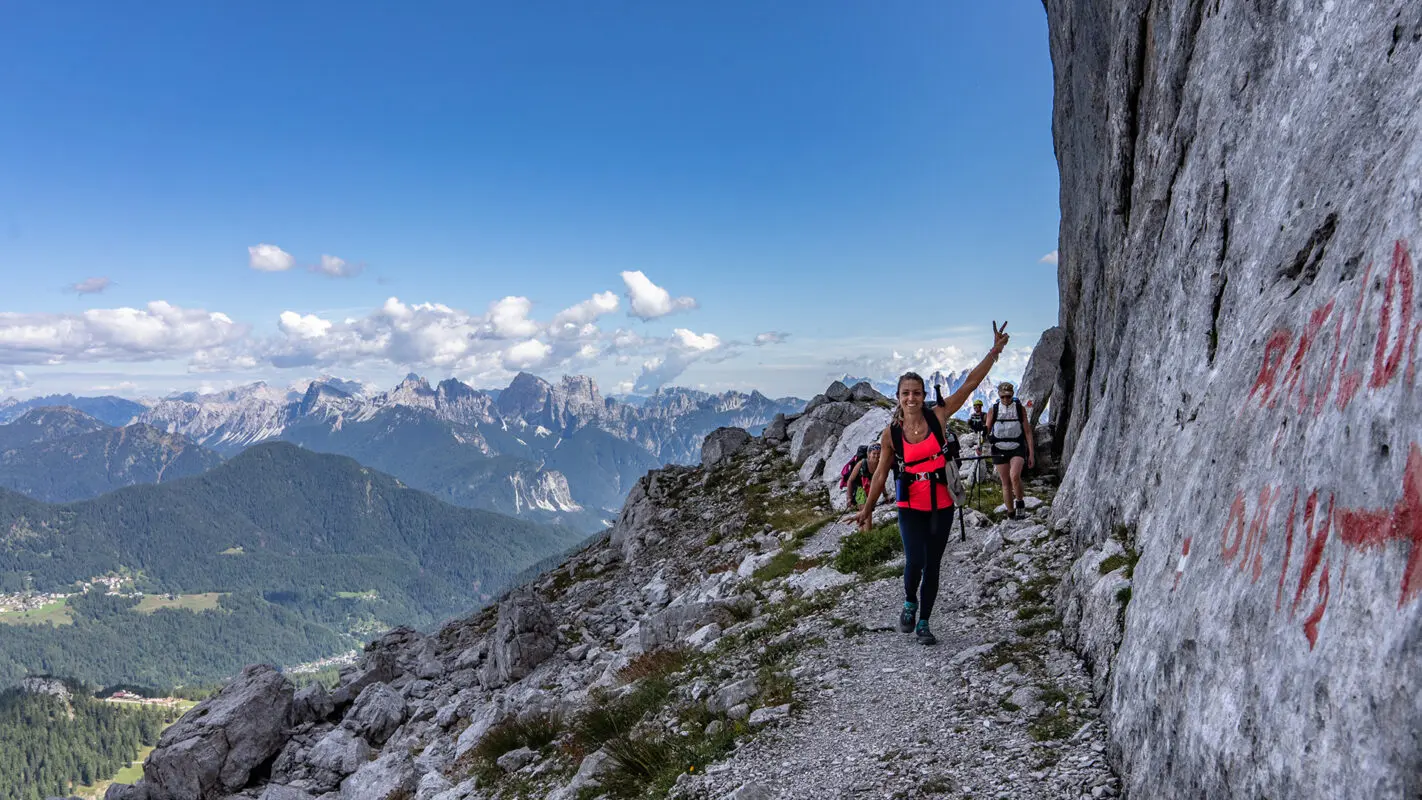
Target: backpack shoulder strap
<point x="935" y="428"/>
<point x="896" y="434"/>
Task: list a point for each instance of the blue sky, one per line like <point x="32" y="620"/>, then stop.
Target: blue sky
<point x="875" y="182"/>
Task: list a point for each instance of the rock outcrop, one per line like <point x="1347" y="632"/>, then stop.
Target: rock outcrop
<point x="1241" y="210"/>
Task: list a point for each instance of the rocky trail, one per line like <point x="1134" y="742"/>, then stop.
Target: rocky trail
<point x="986" y="713"/>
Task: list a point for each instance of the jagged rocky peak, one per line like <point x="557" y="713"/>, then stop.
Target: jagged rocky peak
<point x="526" y="394"/>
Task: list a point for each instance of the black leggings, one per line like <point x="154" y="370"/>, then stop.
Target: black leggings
<point x="925" y="535"/>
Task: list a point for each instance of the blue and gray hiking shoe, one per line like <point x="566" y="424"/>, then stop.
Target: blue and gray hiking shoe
<point x="910" y="613"/>
<point x="925" y="636"/>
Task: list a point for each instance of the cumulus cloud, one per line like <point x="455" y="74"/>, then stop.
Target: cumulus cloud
<point x="91" y="286"/>
<point x="489" y="346"/>
<point x="683" y="349"/>
<point x="308" y="326"/>
<point x="158" y="331"/>
<point x="650" y="301"/>
<point x="771" y="337"/>
<point x="587" y="311"/>
<point x="1050" y="258"/>
<point x="333" y="267"/>
<point x="269" y="258"/>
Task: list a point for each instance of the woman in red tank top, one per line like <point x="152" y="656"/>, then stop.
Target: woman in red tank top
<point x="925" y="505"/>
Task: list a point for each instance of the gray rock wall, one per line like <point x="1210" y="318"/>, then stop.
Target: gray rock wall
<point x="1240" y="240"/>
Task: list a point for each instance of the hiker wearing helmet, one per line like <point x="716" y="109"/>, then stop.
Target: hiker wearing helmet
<point x="1012" y="447"/>
<point x="975" y="419"/>
<point x="857" y="486"/>
<point x="913" y="448"/>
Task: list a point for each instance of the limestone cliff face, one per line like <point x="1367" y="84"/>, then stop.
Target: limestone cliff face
<point x="1241" y="234"/>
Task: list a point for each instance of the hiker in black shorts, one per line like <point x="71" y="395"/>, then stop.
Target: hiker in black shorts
<point x="1013" y="447"/>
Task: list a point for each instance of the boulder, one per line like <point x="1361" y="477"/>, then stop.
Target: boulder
<point x="765" y="716"/>
<point x="863" y="431"/>
<point x="311" y="704"/>
<point x="515" y="760"/>
<point x="809" y="433"/>
<point x="817" y="580"/>
<point x="838" y="392"/>
<point x="775" y="432"/>
<point x="592" y="767"/>
<point x="524" y="637"/>
<point x="338" y="754"/>
<point x="1043" y="368"/>
<point x="863" y="392"/>
<point x="732" y="695"/>
<point x="390" y="777"/>
<point x="213" y="749"/>
<point x="721" y="444"/>
<point x="376" y="714"/>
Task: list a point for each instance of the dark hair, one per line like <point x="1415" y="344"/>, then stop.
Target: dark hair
<point x="907" y="376"/>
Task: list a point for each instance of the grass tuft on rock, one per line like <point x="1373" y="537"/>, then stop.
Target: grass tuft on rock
<point x="863" y="551"/>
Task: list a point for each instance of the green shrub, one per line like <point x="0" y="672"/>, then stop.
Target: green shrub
<point x="1051" y="726"/>
<point x="780" y="565"/>
<point x="862" y="551"/>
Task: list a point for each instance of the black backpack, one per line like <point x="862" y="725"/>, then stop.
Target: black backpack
<point x="948" y="449"/>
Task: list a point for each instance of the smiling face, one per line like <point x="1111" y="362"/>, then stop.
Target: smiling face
<point x="873" y="460"/>
<point x="910" y="394"/>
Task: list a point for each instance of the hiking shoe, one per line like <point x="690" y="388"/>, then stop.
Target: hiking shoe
<point x="1021" y="509"/>
<point x="910" y="613"/>
<point x="925" y="636"/>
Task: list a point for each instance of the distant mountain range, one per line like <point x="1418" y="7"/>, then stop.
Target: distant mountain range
<point x="59" y="454"/>
<point x="558" y="453"/>
<point x="109" y="410"/>
<point x="950" y="381"/>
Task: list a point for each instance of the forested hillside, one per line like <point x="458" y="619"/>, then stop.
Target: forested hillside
<point x="49" y="742"/>
<point x="311" y="548"/>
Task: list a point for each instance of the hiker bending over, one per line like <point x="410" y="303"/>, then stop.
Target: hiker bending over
<point x="913" y="447"/>
<point x="1012" y="447"/>
<point x="857" y="486"/>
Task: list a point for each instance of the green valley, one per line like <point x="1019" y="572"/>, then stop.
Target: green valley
<point x="280" y="555"/>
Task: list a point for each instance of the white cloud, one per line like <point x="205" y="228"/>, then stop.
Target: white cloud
<point x="693" y="342"/>
<point x="650" y="301"/>
<point x="526" y="355"/>
<point x="508" y="318"/>
<point x="333" y="267"/>
<point x="158" y="331"/>
<point x="683" y="349"/>
<point x="13" y="380"/>
<point x="90" y="286"/>
<point x="269" y="258"/>
<point x="307" y="326"/>
<point x="771" y="337"/>
<point x="587" y="311"/>
<point x="1050" y="258"/>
